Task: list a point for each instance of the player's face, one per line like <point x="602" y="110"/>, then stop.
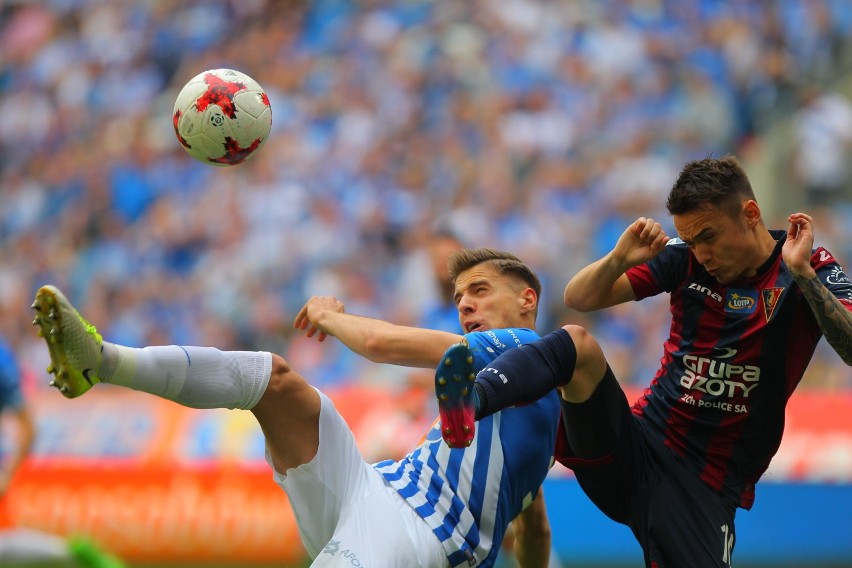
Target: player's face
<point x="726" y="246"/>
<point x="487" y="300"/>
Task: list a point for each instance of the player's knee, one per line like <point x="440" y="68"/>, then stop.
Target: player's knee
<point x="284" y="382"/>
<point x="591" y="364"/>
<point x="585" y="343"/>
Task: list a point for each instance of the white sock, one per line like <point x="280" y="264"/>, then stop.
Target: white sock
<point x="197" y="377"/>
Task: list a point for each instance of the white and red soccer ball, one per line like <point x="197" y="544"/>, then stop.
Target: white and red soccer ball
<point x="222" y="117"/>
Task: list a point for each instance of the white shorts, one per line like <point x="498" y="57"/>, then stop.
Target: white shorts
<point x="347" y="515"/>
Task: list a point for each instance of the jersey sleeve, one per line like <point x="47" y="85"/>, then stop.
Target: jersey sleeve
<point x="831" y="274"/>
<point x="663" y="273"/>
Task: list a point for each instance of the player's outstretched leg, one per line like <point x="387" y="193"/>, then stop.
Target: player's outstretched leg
<point x="73" y="343"/>
<point x="454" y="387"/>
<point x="194" y="376"/>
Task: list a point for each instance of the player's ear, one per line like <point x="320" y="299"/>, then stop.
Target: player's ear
<point x="528" y="299"/>
<point x="752" y="213"/>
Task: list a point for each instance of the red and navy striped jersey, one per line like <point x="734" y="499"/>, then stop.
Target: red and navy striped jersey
<point x="733" y="357"/>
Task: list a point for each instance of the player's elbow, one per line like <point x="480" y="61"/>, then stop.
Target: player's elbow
<point x="579" y="302"/>
<point x="590" y="300"/>
<point x="538" y="537"/>
<point x="572" y="302"/>
<point x="532" y="543"/>
<point x="532" y="525"/>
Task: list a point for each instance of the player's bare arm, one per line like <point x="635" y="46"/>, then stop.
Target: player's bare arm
<point x="377" y="340"/>
<point x="532" y="535"/>
<point x="834" y="319"/>
<point x="603" y="283"/>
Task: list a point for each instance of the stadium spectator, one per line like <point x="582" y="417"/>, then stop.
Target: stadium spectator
<point x="509" y="117"/>
<point x="435" y="507"/>
<point x="823" y="147"/>
<point x="424" y="286"/>
<point x="748" y="306"/>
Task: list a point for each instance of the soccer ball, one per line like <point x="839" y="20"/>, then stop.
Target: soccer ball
<point x="222" y="117"/>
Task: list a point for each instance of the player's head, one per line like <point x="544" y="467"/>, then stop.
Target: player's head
<point x="718" y="184"/>
<point x="493" y="289"/>
<point x="715" y="213"/>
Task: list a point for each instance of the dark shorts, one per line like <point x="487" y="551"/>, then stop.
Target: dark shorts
<point x="635" y="480"/>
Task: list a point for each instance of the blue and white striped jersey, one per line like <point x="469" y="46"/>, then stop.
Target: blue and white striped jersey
<point x="468" y="496"/>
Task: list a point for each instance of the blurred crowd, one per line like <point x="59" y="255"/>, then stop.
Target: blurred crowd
<point x="542" y="127"/>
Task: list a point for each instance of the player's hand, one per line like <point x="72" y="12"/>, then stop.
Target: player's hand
<point x="640" y="242"/>
<point x="799" y="245"/>
<point x="309" y="315"/>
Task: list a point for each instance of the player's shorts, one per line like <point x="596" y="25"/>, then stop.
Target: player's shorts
<point x="347" y="515"/>
<point x="678" y="519"/>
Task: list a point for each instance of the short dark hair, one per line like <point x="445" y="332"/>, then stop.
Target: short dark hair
<point x="719" y="183"/>
<point x="504" y="262"/>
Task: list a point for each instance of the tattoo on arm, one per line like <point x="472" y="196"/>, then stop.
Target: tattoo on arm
<point x="834" y="320"/>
